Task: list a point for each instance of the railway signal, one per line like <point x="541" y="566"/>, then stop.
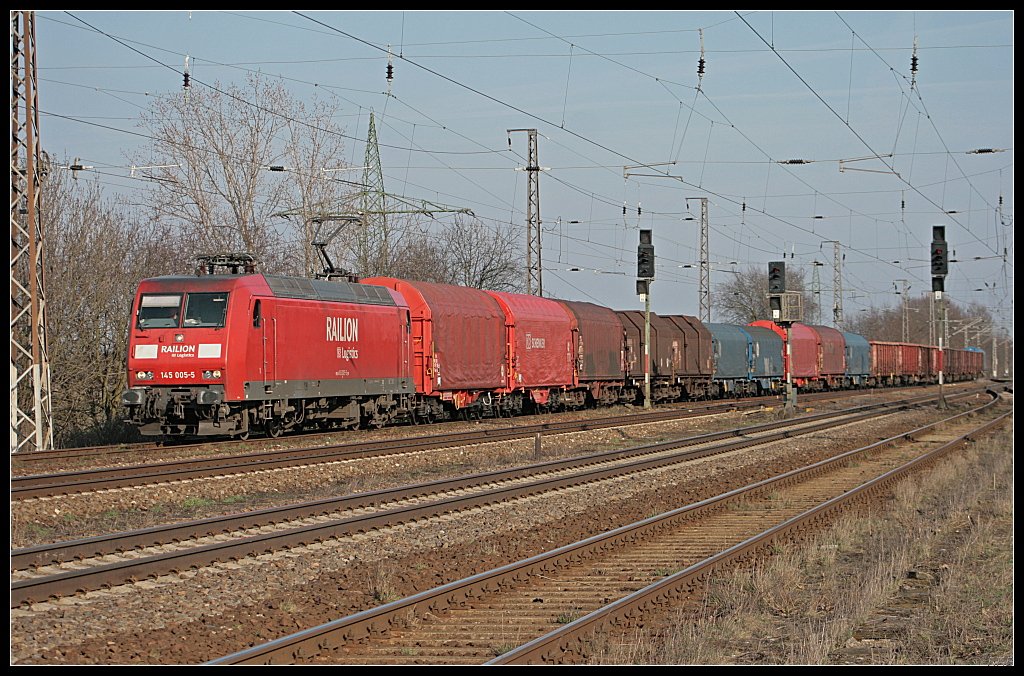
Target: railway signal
<point x="776" y="277"/>
<point x="939" y="257"/>
<point x="645" y="275"/>
<point x="645" y="256"/>
<point x="940" y="268"/>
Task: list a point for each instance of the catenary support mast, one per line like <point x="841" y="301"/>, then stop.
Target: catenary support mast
<point x="31" y="413"/>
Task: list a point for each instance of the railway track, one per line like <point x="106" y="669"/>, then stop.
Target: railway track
<point x="32" y="461"/>
<point x="91" y="453"/>
<point x="543" y="609"/>
<point x="104" y="478"/>
<point x="92" y="563"/>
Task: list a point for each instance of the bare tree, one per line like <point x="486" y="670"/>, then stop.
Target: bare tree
<point x="483" y="257"/>
<point x="212" y="157"/>
<point x="886" y="323"/>
<point x="97" y="251"/>
<point x="421" y="256"/>
<point x="744" y="297"/>
<point x="464" y="252"/>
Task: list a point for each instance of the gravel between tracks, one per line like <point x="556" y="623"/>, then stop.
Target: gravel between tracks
<point x="204" y="614"/>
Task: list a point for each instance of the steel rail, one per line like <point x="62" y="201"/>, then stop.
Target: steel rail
<point x="569" y="640"/>
<point x="51" y="455"/>
<point x="58" y="552"/>
<point x="72" y="581"/>
<point x="365" y="624"/>
<point x="46" y="485"/>
<point x="86" y="452"/>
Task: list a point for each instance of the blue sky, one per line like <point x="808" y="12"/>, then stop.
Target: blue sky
<point x="610" y="89"/>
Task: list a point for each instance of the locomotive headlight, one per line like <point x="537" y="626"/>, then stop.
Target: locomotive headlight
<point x="212" y="375"/>
<point x="216" y="374"/>
<point x="144" y="375"/>
<point x="207" y="374"/>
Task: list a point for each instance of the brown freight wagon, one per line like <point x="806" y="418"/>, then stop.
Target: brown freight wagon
<point x="598" y="347"/>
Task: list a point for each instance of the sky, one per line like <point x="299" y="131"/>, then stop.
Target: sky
<point x="630" y="136"/>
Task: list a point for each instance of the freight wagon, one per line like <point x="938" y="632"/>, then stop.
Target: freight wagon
<point x="227" y="354"/>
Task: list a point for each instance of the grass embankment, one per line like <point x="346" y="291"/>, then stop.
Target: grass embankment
<point x="927" y="578"/>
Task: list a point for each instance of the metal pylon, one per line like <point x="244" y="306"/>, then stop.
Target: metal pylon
<point x="534" y="265"/>
<point x="31" y="411"/>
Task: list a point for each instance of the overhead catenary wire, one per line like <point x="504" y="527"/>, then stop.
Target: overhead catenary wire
<point x="591" y="192"/>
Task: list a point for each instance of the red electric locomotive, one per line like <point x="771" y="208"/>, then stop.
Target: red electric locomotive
<point x="224" y="354"/>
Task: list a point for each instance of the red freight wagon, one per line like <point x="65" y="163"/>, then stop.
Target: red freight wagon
<point x="802" y="360"/>
<point x="698" y="366"/>
<point x="916" y="361"/>
<point x="960" y="364"/>
<point x="886" y="362"/>
<point x="633" y="355"/>
<point x="933" y="360"/>
<point x="458" y="341"/>
<point x="210" y="354"/>
<point x="539" y="336"/>
<point x="975" y="363"/>
<point x="695" y="361"/>
<point x="895" y="363"/>
<point x="598" y="349"/>
<point x="832" y="363"/>
<point x="935" y="356"/>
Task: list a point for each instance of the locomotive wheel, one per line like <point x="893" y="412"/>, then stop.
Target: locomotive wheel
<point x="244" y="436"/>
<point x="273" y="429"/>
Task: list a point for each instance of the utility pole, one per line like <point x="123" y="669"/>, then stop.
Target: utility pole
<point x="837" y="286"/>
<point x="373" y="212"/>
<point x="931" y="319"/>
<point x="645" y="275"/>
<point x="31" y="409"/>
<point x="534" y="265"/>
<point x="940" y="267"/>
<point x="816" y="290"/>
<point x="704" y="292"/>
<point x="906" y="308"/>
<point x="784" y="312"/>
<point x="995" y="353"/>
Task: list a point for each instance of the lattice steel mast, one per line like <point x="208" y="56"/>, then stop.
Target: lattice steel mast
<point x="31" y="411"/>
<point x="534" y="265"/>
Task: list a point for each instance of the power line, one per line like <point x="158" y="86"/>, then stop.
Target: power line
<point x="857" y="134"/>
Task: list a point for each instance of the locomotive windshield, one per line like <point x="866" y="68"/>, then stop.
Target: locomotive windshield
<point x="159" y="311"/>
<point x="205" y="309"/>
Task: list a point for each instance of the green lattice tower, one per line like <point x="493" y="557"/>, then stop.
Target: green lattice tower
<point x="374" y="233"/>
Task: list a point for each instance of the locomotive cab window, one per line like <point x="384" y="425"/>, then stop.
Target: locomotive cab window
<point x="159" y="311"/>
<point x="205" y="310"/>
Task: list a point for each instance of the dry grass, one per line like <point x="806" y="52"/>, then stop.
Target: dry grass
<point x="838" y="598"/>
